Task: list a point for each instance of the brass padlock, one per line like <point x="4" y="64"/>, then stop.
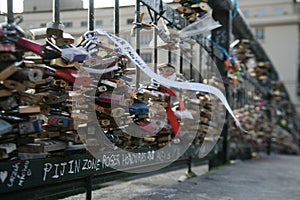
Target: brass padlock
<point x="30" y="98"/>
<point x="5" y="93"/>
<point x="10" y="70"/>
<point x="14" y="85"/>
<point x="61" y="63"/>
<point x="65" y="40"/>
<point x="54" y="33"/>
<point x="29" y="109"/>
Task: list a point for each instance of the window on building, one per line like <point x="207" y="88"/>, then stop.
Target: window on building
<point x="68" y="24"/>
<point x="43" y="25"/>
<point x="147" y="57"/>
<point x="279" y="11"/>
<point x="99" y="23"/>
<point x="260" y="34"/>
<point x="83" y="23"/>
<point x="130" y="21"/>
<point x="260" y="13"/>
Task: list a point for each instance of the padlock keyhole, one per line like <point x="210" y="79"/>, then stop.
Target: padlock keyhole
<point x="60" y="122"/>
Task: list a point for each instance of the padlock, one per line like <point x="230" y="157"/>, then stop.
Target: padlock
<point x="45" y="51"/>
<point x="11" y="48"/>
<point x="72" y="54"/>
<point x="158" y="103"/>
<point x="66" y="40"/>
<point x="44" y="109"/>
<point x="150" y="139"/>
<point x="42" y="82"/>
<point x="30" y="127"/>
<point x="116" y="112"/>
<point x="14" y="85"/>
<point x="31" y="74"/>
<point x="9" y="103"/>
<point x="61" y="63"/>
<point x="59" y="121"/>
<point x="139" y="109"/>
<point x="38" y="33"/>
<point x="165" y="138"/>
<point x="111" y="98"/>
<point x="109" y="83"/>
<point x="185" y="10"/>
<point x="60" y="83"/>
<point x="29" y="109"/>
<point x="53" y="97"/>
<point x="72" y="76"/>
<point x="149" y="127"/>
<point x="112" y="137"/>
<point x="142" y="116"/>
<point x="5" y="127"/>
<point x="155" y="95"/>
<point x="102" y="88"/>
<point x="141" y="98"/>
<point x="30" y="98"/>
<point x="33" y="60"/>
<point x="5" y="93"/>
<point x="104" y="122"/>
<point x="71" y="136"/>
<point x="10" y="70"/>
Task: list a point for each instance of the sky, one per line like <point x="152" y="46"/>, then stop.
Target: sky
<point x="18" y="4"/>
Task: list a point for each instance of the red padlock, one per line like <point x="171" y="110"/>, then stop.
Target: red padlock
<point x="72" y="76"/>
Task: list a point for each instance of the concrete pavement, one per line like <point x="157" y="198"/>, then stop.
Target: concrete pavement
<point x="276" y="177"/>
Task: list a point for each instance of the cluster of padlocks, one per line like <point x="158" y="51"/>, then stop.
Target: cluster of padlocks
<point x="261" y="115"/>
<point x="192" y="9"/>
<point x="50" y="90"/>
<point x="266" y="118"/>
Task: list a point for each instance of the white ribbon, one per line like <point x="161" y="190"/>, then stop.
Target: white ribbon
<point x="134" y="57"/>
<point x="101" y="71"/>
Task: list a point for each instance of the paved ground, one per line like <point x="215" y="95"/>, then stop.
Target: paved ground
<point x="266" y="178"/>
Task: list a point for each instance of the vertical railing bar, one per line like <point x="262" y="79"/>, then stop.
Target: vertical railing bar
<point x="117" y="17"/>
<point x="155" y="51"/>
<point x="169" y="56"/>
<point x="138" y="39"/>
<point x="181" y="62"/>
<point x="10" y="13"/>
<point x="200" y="60"/>
<point x="91" y="11"/>
<point x="56" y="12"/>
<point x="88" y="188"/>
<point x="191" y="65"/>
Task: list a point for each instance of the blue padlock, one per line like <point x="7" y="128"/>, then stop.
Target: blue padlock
<point x="5" y="127"/>
<point x="139" y="109"/>
<point x="59" y="121"/>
